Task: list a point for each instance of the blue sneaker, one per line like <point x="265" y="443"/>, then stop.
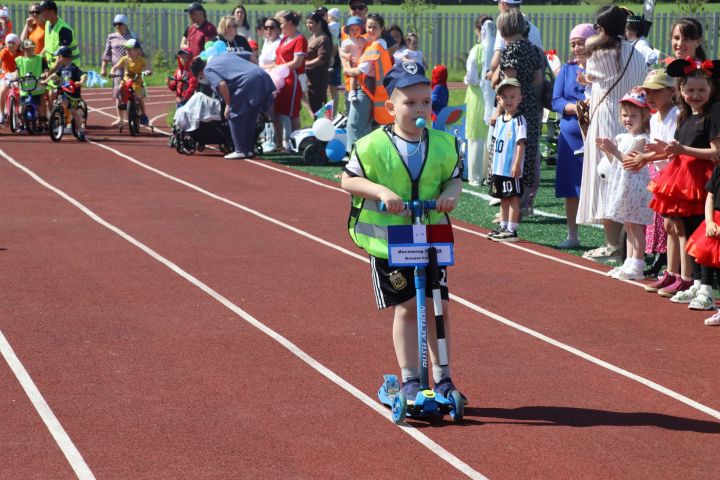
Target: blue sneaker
<point x="411" y="388"/>
<point x="445" y="386"/>
<point x="144" y="120"/>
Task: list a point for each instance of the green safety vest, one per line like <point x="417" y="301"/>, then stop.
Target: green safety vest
<point x="382" y="164"/>
<point x="33" y="66"/>
<point x="52" y="41"/>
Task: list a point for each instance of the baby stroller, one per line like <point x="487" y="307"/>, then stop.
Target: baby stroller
<point x="200" y="122"/>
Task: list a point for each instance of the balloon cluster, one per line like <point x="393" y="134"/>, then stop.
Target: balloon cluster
<point x="212" y="49"/>
<point x="324" y="130"/>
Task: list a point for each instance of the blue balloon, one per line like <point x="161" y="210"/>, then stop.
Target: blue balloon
<point x="420" y="123"/>
<point x="220" y="47"/>
<point x="335" y="150"/>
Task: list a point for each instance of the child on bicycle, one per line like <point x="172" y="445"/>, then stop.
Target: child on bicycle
<point x="183" y="82"/>
<point x="134" y="64"/>
<point x="70" y="81"/>
<point x="35" y="65"/>
<point x="8" y="55"/>
<point x="394" y="164"/>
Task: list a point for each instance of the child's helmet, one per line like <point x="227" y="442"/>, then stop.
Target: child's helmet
<point x="132" y="43"/>
<point x="353" y="21"/>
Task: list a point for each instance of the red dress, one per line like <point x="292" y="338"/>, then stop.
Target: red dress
<point x="679" y="190"/>
<point x="706" y="250"/>
<point x="287" y="101"/>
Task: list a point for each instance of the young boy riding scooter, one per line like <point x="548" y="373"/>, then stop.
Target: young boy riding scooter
<point x="394" y="164"/>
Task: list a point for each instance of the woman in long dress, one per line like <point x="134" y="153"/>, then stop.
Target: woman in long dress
<point x="609" y="56"/>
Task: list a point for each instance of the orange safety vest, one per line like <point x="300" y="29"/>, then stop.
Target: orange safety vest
<point x="382" y="62"/>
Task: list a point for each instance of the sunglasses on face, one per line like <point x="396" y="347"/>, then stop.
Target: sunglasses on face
<point x="358" y="7"/>
<point x="34" y="12"/>
<point x="269" y="27"/>
<point x="117" y="24"/>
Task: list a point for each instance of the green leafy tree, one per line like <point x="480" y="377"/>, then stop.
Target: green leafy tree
<point x="414" y="9"/>
<point x="691" y="7"/>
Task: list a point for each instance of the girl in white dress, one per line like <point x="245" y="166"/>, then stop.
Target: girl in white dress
<point x="604" y="67"/>
<point x="627" y="194"/>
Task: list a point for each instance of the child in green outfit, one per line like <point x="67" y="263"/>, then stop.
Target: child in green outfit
<point x="33" y="65"/>
<point x="396" y="163"/>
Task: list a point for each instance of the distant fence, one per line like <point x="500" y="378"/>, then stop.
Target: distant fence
<point x="452" y="36"/>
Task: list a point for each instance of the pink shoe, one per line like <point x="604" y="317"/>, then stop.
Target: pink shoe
<point x="679" y="285"/>
<point x="664" y="281"/>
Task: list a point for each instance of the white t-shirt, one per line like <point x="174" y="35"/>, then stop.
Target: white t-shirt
<point x="534" y="37"/>
<point x="664" y="129"/>
<point x="267" y="54"/>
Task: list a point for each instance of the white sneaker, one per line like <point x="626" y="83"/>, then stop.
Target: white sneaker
<point x="630" y="274"/>
<point x="713" y="321"/>
<point x="702" y="302"/>
<point x="2" y="118"/>
<point x="235" y="155"/>
<point x="614" y="272"/>
<point x="685" y="296"/>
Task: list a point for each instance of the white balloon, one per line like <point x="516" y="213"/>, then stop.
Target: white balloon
<point x="323" y="129"/>
<point x="604" y="168"/>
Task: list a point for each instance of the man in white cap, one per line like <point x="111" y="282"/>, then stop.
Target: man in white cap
<point x="533" y="35"/>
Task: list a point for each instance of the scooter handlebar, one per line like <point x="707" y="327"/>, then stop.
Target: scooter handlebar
<point x="423" y="204"/>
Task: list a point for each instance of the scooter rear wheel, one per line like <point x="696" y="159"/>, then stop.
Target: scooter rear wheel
<point x="457" y="410"/>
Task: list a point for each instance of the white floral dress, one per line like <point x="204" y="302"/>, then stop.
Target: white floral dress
<point x="605" y="66"/>
<point x="627" y="196"/>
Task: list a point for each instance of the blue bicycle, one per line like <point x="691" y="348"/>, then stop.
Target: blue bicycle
<point x="24" y="114"/>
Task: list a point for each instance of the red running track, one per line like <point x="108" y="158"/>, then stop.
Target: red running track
<point x="152" y="377"/>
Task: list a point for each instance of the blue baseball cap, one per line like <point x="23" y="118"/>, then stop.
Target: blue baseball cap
<point x="405" y="74"/>
<point x="353" y="21"/>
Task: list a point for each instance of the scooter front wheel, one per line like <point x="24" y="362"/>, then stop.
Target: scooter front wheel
<point x="399" y="408"/>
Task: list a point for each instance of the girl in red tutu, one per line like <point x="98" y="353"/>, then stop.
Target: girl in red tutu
<point x="679" y="189"/>
<point x="704" y="244"/>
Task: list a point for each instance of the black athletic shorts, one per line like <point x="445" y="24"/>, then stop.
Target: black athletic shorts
<point x="396" y="285"/>
<point x="506" y="187"/>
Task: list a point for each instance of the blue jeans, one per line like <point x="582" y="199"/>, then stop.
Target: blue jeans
<point x="359" y="119"/>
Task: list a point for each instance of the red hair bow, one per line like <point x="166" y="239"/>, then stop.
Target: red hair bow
<point x="551" y="54"/>
<point x="707" y="65"/>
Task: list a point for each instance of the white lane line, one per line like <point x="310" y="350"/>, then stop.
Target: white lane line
<point x="297" y="351"/>
<point x="113" y="106"/>
<point x="602" y="363"/>
<point x="57" y="431"/>
<point x="467" y="230"/>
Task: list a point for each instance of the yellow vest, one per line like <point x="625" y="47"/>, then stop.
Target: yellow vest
<point x="382" y="164"/>
<point x="52" y="41"/>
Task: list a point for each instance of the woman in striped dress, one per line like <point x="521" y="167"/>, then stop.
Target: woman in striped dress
<point x="610" y="54"/>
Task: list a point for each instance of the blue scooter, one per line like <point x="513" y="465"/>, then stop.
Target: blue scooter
<point x="428" y="402"/>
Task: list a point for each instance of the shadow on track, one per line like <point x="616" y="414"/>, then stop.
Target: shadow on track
<point x="541" y="416"/>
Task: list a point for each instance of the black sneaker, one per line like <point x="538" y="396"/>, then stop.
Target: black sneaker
<point x="81" y="137"/>
<point x="506" y="236"/>
<point x="411" y="388"/>
<point x="445" y="386"/>
<point x="495" y="233"/>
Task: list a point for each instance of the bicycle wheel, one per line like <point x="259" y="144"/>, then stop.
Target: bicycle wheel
<point x="133" y="118"/>
<point x="15" y="121"/>
<point x="57" y="124"/>
<point x="29" y="116"/>
<point x="83" y="113"/>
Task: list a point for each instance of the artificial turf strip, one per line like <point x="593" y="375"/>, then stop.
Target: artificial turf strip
<point x="537" y="229"/>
